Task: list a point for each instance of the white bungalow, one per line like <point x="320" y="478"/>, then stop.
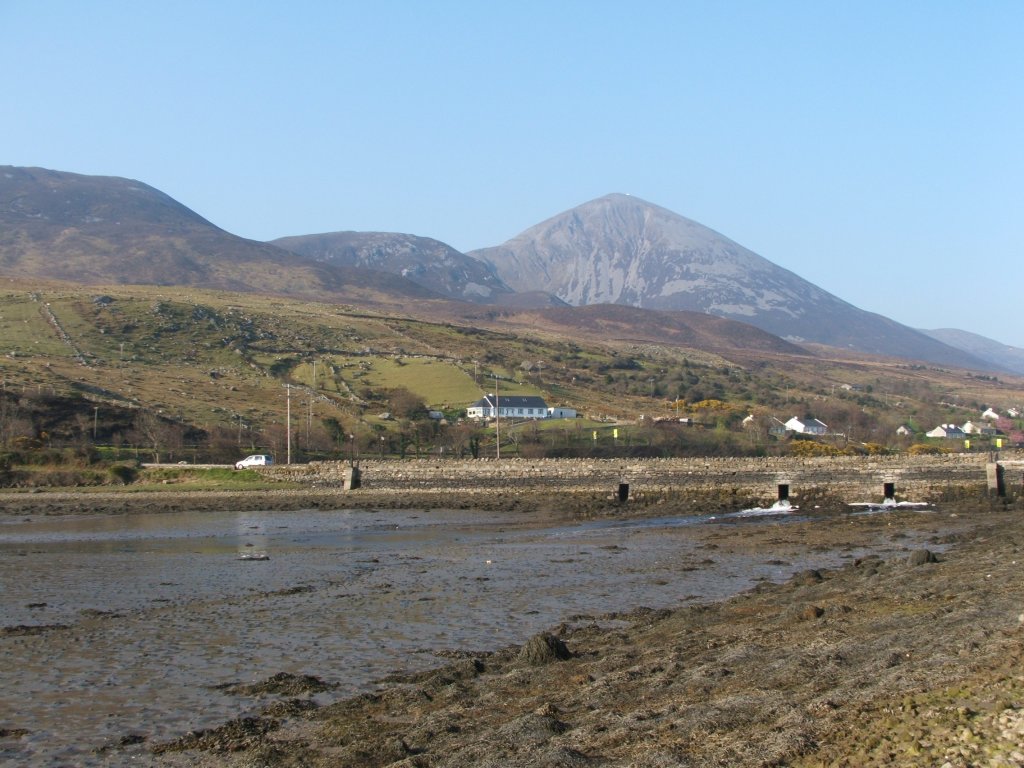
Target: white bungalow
<point x="807" y="426"/>
<point x="990" y="414"/>
<point x="904" y="431"/>
<point x="948" y="431"/>
<point x="508" y="406"/>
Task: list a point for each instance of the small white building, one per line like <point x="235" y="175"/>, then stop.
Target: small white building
<point x="904" y="431"/>
<point x="990" y="414"/>
<point x="807" y="426"/>
<point x="560" y="412"/>
<point x="948" y="431"/>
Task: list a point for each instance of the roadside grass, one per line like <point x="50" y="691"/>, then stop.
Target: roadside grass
<point x="203" y="479"/>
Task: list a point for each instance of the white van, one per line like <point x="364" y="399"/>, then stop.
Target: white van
<point x="256" y="460"/>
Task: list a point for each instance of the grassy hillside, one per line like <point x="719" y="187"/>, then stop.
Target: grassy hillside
<point x="163" y="368"/>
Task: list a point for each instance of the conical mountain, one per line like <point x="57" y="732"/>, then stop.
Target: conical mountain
<point x="619" y="249"/>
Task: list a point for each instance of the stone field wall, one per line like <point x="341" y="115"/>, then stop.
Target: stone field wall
<point x="924" y="477"/>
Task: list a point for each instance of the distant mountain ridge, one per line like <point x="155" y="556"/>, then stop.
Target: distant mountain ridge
<point x="1002" y="356"/>
<point x="619" y="249"/>
<point x="100" y="229"/>
<point x="423" y="260"/>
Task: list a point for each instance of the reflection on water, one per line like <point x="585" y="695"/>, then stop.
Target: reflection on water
<point x="145" y="613"/>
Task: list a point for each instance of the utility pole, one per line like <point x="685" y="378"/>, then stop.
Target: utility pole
<point x="497" y="421"/>
<point x="288" y="423"/>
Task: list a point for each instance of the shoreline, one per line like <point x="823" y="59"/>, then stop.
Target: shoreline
<point x="915" y="659"/>
<point x="912" y="658"/>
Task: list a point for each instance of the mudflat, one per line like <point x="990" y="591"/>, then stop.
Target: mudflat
<point x="911" y="656"/>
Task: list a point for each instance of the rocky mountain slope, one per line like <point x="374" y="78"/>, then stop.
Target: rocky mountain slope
<point x="103" y="230"/>
<point x="1001" y="356"/>
<point x="423" y="260"/>
<point x="620" y="249"/>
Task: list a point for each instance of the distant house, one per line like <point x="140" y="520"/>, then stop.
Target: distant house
<point x="970" y="428"/>
<point x="748" y="421"/>
<point x="990" y="414"/>
<point x="1013" y="413"/>
<point x="560" y="412"/>
<point x="777" y="428"/>
<point x="807" y="426"/>
<point x="948" y="431"/>
<point x="508" y="406"/>
<point x="435" y="415"/>
<point x="904" y="431"/>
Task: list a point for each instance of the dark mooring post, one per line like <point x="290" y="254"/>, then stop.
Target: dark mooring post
<point x="994" y="477"/>
<point x="623" y="492"/>
<point x="352" y="479"/>
<point x="889" y="491"/>
<point x="783" y="491"/>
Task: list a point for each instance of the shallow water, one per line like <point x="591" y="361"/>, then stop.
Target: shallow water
<point x="149" y="612"/>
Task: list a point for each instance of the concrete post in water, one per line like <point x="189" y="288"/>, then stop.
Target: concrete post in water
<point x="352" y="479"/>
<point x="783" y="491"/>
<point x="994" y="478"/>
<point x="623" y="492"/>
<point x="889" y="491"/>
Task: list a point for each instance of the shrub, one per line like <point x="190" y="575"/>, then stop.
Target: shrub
<point x="921" y="449"/>
<point x="808" y="448"/>
<point x="122" y="473"/>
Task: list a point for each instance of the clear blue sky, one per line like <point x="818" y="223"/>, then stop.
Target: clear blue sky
<point x="874" y="148"/>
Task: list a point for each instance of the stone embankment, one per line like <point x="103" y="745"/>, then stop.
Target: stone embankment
<point x="919" y="477"/>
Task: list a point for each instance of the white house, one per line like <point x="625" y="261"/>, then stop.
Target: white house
<point x="1013" y="413"/>
<point x="904" y="431"/>
<point x="508" y="406"/>
<point x="990" y="414"/>
<point x="970" y="428"/>
<point x="807" y="426"/>
<point x="948" y="431"/>
<point x="559" y="412"/>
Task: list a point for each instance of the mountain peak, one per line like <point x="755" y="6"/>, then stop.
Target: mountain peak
<point x="621" y="249"/>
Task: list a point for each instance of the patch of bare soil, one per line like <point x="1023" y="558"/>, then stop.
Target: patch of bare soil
<point x="911" y="660"/>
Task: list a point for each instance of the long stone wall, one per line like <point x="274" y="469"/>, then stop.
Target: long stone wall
<point x="924" y="477"/>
